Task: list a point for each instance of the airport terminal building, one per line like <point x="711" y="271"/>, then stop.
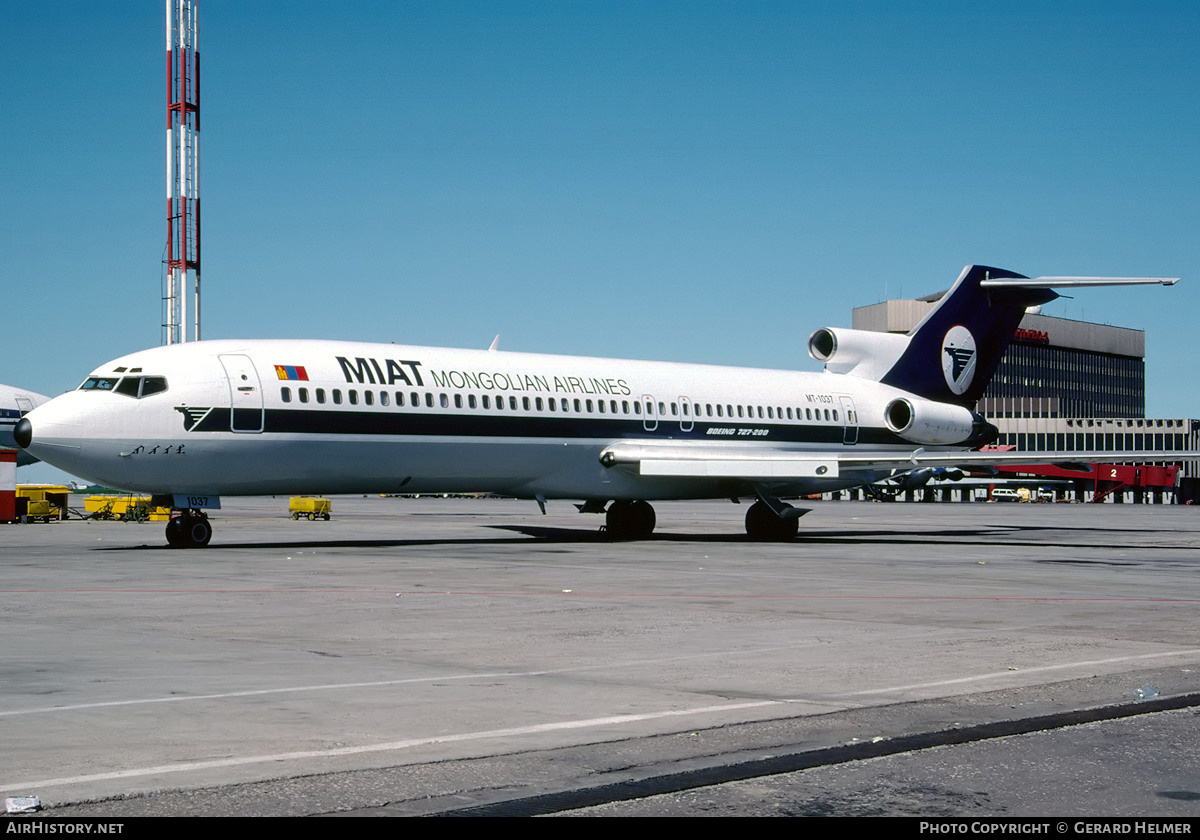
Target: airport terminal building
<point x="1062" y="385"/>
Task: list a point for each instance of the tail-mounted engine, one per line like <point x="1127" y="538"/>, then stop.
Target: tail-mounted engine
<point x="925" y="421"/>
<point x="859" y="352"/>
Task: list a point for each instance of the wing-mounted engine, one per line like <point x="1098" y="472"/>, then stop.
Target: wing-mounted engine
<point x="925" y="421"/>
<point x="858" y="352"/>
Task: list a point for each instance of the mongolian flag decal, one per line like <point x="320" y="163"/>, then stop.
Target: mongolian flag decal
<point x="291" y="372"/>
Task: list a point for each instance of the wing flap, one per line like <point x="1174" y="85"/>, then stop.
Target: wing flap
<point x="691" y="461"/>
<point x="684" y="460"/>
<point x="757" y="468"/>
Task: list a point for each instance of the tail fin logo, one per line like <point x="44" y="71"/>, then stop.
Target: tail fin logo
<point x="958" y="358"/>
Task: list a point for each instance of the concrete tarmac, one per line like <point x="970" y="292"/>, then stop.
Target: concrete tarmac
<point x="423" y="656"/>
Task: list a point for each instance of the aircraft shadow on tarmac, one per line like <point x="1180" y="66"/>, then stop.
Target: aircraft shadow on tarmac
<point x="547" y="535"/>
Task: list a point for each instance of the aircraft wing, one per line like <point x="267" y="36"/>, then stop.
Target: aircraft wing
<point x="771" y="463"/>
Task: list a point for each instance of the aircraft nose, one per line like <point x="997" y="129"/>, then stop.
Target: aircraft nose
<point x="23" y="433"/>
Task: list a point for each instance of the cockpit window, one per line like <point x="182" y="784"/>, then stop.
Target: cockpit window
<point x="131" y="386"/>
<point x="98" y="383"/>
<point x="153" y="385"/>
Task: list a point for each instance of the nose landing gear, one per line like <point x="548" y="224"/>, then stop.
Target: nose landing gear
<point x="190" y="529"/>
<point x="629" y="520"/>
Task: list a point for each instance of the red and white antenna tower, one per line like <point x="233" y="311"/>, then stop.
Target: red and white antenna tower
<point x="183" y="173"/>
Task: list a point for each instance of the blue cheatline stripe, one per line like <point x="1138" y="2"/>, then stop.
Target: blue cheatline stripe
<point x="323" y="421"/>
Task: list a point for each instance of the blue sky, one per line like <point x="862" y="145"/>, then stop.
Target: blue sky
<point x="693" y="181"/>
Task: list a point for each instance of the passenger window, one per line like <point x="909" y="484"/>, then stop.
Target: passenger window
<point x="443" y="401"/>
<point x="525" y="403"/>
<point x="470" y="401"/>
<point x="321" y="395"/>
<point x="429" y="400"/>
<point x="337" y="396"/>
<point x="458" y="400"/>
<point x="353" y="396"/>
<point x="303" y="395"/>
<point x="383" y="397"/>
<point x="512" y="403"/>
<point x="369" y="397"/>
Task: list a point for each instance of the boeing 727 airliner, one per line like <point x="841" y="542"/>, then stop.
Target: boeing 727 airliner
<point x="192" y="422"/>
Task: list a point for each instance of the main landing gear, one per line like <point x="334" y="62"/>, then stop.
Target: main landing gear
<point x="767" y="519"/>
<point x="763" y="523"/>
<point x="190" y="529"/>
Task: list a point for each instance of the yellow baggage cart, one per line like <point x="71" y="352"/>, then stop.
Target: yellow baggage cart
<point x="125" y="508"/>
<point x="311" y="507"/>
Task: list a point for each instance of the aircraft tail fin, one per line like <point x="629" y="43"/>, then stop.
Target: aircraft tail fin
<point x="954" y="350"/>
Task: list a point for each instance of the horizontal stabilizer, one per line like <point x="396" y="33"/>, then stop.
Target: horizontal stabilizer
<point x="1074" y="282"/>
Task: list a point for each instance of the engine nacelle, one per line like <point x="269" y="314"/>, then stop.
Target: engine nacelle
<point x="861" y="352"/>
<point x="926" y="421"/>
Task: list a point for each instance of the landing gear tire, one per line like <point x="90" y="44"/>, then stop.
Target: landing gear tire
<point x="629" y="520"/>
<point x="763" y="524"/>
<point x="189" y="530"/>
<point x="175" y="535"/>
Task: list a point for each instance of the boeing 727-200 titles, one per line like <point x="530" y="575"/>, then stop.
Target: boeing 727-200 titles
<point x="192" y="422"/>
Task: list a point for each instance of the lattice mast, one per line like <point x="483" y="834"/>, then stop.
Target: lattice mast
<point x="183" y="174"/>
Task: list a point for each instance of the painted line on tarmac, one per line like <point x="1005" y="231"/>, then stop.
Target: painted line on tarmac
<point x="516" y="731"/>
<point x="261" y="692"/>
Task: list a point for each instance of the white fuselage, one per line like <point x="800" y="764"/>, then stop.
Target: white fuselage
<point x="280" y="417"/>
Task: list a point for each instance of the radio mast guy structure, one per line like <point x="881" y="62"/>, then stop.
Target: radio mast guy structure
<point x="183" y="174"/>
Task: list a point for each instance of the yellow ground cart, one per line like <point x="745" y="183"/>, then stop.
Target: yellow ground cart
<point x="312" y="507"/>
<point x="41" y="502"/>
<point x="125" y="508"/>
